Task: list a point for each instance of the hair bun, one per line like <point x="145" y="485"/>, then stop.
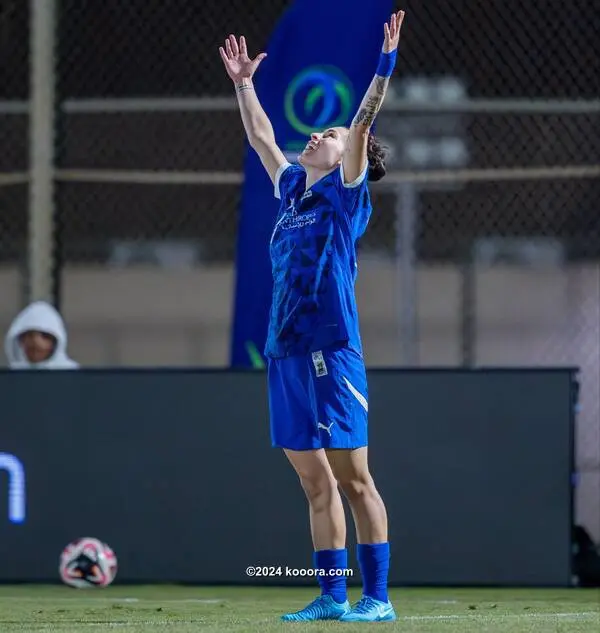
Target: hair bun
<point x="376" y="156"/>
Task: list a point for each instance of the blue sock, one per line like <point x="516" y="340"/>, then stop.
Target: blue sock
<point x="334" y="585"/>
<point x="374" y="563"/>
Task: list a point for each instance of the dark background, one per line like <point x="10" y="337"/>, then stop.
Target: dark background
<point x="174" y="470"/>
<point x="149" y="48"/>
<point x="505" y="48"/>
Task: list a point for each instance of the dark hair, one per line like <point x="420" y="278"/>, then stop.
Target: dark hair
<point x="376" y="154"/>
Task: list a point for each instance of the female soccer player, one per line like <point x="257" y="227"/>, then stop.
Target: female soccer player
<point x="316" y="373"/>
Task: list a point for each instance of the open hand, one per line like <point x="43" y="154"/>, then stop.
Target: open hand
<point x="392" y="32"/>
<point x="235" y="57"/>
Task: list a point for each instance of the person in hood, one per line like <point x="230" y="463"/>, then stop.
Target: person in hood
<point x="37" y="339"/>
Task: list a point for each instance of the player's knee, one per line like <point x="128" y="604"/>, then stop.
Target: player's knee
<point x="318" y="487"/>
<point x="357" y="486"/>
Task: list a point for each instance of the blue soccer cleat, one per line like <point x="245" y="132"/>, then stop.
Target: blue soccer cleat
<point x="323" y="608"/>
<point x="368" y="609"/>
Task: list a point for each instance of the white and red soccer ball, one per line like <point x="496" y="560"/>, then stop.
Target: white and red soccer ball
<point x="87" y="563"/>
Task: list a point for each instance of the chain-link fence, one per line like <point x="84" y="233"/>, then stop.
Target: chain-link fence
<point x="485" y="242"/>
<point x="14" y="77"/>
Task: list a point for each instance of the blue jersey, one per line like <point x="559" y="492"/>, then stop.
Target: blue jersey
<point x="313" y="257"/>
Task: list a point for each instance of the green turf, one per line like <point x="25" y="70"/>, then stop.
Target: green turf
<point x="244" y="610"/>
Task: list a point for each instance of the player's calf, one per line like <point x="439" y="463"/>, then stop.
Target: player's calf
<point x="367" y="506"/>
<point x="326" y="511"/>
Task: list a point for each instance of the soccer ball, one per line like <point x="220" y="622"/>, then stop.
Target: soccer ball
<point x="87" y="562"/>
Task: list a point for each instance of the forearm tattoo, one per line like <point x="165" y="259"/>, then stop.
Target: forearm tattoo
<point x="370" y="106"/>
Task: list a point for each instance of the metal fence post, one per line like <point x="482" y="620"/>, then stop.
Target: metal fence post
<point x="41" y="150"/>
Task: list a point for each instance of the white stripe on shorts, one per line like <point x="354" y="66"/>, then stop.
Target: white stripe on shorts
<point x="358" y="395"/>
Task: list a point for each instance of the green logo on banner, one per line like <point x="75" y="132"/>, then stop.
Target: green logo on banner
<point x="318" y="98"/>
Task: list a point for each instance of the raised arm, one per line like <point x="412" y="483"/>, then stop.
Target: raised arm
<point x="355" y="158"/>
<point x="259" y="130"/>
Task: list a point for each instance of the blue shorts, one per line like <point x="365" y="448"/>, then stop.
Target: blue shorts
<point x="319" y="400"/>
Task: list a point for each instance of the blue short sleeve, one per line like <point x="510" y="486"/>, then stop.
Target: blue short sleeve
<point x="355" y="195"/>
<point x="286" y="178"/>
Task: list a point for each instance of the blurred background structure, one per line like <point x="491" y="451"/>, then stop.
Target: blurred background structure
<point x="121" y="167"/>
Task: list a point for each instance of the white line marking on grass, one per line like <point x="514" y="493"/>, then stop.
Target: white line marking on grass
<point x="88" y="598"/>
<point x="77" y="625"/>
<point x="124" y="599"/>
<point x="168" y="601"/>
<point x="499" y="616"/>
<point x="112" y="625"/>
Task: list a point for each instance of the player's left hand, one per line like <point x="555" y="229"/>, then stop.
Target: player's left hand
<point x="391" y="32"/>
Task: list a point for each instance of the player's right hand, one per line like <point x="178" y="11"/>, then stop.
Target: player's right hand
<point x="235" y="57"/>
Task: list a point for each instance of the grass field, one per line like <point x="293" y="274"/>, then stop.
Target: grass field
<point x="244" y="610"/>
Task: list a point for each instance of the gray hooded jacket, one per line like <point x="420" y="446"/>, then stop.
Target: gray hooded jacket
<point x="42" y="317"/>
